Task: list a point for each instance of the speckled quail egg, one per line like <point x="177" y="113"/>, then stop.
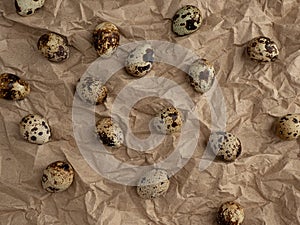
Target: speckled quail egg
<point x="288" y="127"/>
<point x="168" y="121"/>
<point x="106" y="39"/>
<point x="201" y="75"/>
<point x="187" y="20"/>
<point x="153" y="184"/>
<point x="28" y="7"/>
<point x="12" y="87"/>
<point x="91" y="90"/>
<point x="54" y="47"/>
<point x="230" y="213"/>
<point x="262" y="49"/>
<point x="109" y="132"/>
<point x="226" y="145"/>
<point x="35" y="129"/>
<point x="57" y="177"/>
<point x="139" y="61"/>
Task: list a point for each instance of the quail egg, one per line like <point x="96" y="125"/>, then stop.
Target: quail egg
<point x="12" y="87"/>
<point x="91" y="90"/>
<point x="109" y="132"/>
<point x="288" y="127"/>
<point x="57" y="177"/>
<point x="28" y="7"/>
<point x="201" y="75"/>
<point x="54" y="47"/>
<point x="168" y="121"/>
<point x="226" y="145"/>
<point x="106" y="39"/>
<point x="262" y="49"/>
<point x="153" y="184"/>
<point x="230" y="213"/>
<point x="35" y="129"/>
<point x="139" y="62"/>
<point x="187" y="20"/>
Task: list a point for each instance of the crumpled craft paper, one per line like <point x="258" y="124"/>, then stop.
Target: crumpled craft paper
<point x="265" y="179"/>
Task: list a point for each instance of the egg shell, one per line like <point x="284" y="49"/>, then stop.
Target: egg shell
<point x="91" y="90"/>
<point x="201" y="75"/>
<point x="28" y="7"/>
<point x="57" y="177"/>
<point x="262" y="49"/>
<point x="288" y="127"/>
<point x="140" y="60"/>
<point x="186" y="20"/>
<point x="35" y="129"/>
<point x="54" y="47"/>
<point x="109" y="132"/>
<point x="230" y="213"/>
<point x="226" y="145"/>
<point x="106" y="39"/>
<point x="168" y="121"/>
<point x="12" y="87"/>
<point x="153" y="184"/>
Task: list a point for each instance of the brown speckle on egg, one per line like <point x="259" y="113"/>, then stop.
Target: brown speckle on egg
<point x="153" y="184"/>
<point x="57" y="177"/>
<point x="109" y="132"/>
<point x="168" y="121"/>
<point x="12" y="87"/>
<point x="91" y="90"/>
<point x="230" y="213"/>
<point x="106" y="39"/>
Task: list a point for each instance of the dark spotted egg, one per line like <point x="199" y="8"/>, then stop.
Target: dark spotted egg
<point x="288" y="127"/>
<point x="225" y="145"/>
<point x="28" y="7"/>
<point x="262" y="49"/>
<point x="12" y="87"/>
<point x="201" y="75"/>
<point x="140" y="60"/>
<point x="35" y="129"/>
<point x="54" y="47"/>
<point x="187" y="20"/>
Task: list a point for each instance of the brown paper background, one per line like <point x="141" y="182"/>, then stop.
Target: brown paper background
<point x="265" y="179"/>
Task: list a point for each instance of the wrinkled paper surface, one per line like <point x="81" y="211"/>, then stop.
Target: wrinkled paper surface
<point x="265" y="179"/>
